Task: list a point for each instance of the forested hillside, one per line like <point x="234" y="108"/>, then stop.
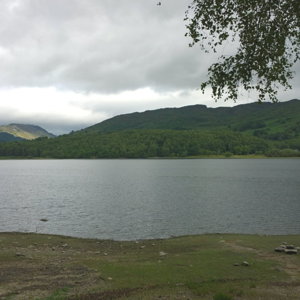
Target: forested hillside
<point x="261" y="119"/>
<point x="243" y="130"/>
<point x="150" y="143"/>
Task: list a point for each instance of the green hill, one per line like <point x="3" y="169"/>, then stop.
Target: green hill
<point x="262" y="119"/>
<point x="27" y="132"/>
<point x="252" y="129"/>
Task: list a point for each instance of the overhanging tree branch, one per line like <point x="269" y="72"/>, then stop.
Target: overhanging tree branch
<point x="268" y="35"/>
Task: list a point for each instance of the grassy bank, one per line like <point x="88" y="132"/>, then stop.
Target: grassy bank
<point x="34" y="266"/>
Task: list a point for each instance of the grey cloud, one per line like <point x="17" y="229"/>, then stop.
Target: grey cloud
<point x="96" y="45"/>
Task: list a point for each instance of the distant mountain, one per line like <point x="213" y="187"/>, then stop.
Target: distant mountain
<point x="6" y="137"/>
<point x="22" y="131"/>
<point x="270" y="117"/>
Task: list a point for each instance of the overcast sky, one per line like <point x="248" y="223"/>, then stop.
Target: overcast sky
<point x="68" y="64"/>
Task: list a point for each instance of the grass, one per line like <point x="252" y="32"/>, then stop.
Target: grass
<point x="194" y="267"/>
<point x="221" y="296"/>
<point x="58" y="295"/>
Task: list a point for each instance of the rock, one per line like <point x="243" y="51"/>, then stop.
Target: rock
<point x="162" y="253"/>
<point x="109" y="278"/>
<point x="19" y="254"/>
<point x="65" y="245"/>
<point x="142" y="247"/>
<point x="283" y="246"/>
<point x="290" y="247"/>
<point x="245" y="264"/>
<point x="279" y="249"/>
<point x="105" y="253"/>
<point x="291" y="251"/>
<point x="44" y="220"/>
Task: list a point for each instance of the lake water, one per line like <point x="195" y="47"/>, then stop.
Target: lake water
<point x="141" y="199"/>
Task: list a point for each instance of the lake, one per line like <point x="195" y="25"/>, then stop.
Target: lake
<point x="143" y="199"/>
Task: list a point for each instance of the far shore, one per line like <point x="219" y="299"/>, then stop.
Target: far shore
<point x="252" y="156"/>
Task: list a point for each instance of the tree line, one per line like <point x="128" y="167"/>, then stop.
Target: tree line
<point x="148" y="143"/>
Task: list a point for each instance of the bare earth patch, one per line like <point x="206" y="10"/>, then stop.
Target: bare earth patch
<point x="289" y="289"/>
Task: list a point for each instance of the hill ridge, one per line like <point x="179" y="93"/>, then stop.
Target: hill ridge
<point x="198" y="116"/>
<point x="25" y="131"/>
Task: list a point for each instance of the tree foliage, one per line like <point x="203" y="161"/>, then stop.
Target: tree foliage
<point x="144" y="143"/>
<point x="268" y="38"/>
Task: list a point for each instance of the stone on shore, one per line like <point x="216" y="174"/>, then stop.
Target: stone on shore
<point x="291" y="251"/>
<point x="279" y="249"/>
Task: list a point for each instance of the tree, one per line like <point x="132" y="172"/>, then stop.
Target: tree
<point x="268" y="37"/>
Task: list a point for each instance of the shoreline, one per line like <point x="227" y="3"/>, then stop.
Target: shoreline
<point x="158" y="158"/>
<point x="217" y="234"/>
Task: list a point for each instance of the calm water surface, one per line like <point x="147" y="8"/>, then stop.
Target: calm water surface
<point x="134" y="199"/>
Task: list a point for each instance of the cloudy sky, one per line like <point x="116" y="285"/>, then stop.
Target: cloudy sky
<point x="68" y="64"/>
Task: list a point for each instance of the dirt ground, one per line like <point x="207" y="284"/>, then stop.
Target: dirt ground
<point x="34" y="266"/>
